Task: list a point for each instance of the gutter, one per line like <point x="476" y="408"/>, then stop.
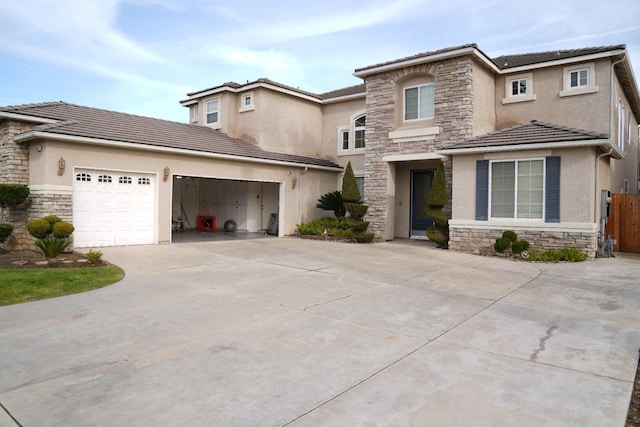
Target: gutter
<point x="26" y="118"/>
<point x="537" y="146"/>
<point x="32" y="135"/>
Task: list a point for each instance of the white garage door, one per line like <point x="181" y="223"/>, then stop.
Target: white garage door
<point x="112" y="208"/>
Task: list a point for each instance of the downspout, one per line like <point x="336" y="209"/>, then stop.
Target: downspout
<point x="302" y="172"/>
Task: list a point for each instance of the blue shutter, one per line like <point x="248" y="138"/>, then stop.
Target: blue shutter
<point x="482" y="190"/>
<point x="552" y="189"/>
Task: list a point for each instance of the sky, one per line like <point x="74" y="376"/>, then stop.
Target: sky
<point x="144" y="56"/>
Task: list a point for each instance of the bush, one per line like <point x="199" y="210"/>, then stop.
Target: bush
<point x="62" y="229"/>
<point x="359" y="226"/>
<point x="39" y="228"/>
<point x="558" y="255"/>
<point x="13" y="194"/>
<point x="94" y="257"/>
<point x="519" y="245"/>
<point x="5" y="232"/>
<point x="51" y="248"/>
<point x="511" y="235"/>
<point x="332" y="201"/>
<point x="350" y="191"/>
<point x="502" y="244"/>
<point x="356" y="210"/>
<point x="52" y="219"/>
<point x="365" y="238"/>
<point x="438" y="199"/>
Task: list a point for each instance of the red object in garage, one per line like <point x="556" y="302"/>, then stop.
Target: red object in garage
<point x="207" y="223"/>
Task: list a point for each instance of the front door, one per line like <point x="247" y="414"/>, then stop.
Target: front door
<point x="420" y="185"/>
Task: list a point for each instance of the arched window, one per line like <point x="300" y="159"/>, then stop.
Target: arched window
<point x="351" y="139"/>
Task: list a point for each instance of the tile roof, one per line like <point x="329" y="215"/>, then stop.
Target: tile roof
<point x="534" y="132"/>
<point x="417" y="56"/>
<point x="511" y="61"/>
<point x="351" y="90"/>
<point x="238" y="87"/>
<point x="88" y="122"/>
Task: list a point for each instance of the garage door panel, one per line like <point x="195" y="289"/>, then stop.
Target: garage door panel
<point x="112" y="209"/>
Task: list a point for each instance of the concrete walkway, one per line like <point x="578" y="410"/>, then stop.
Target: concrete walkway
<point x="291" y="332"/>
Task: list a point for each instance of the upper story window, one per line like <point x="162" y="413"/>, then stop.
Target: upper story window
<point x="247" y="102"/>
<point x="213" y="111"/>
<point x="419" y="102"/>
<point x="519" y="88"/>
<point x="359" y="125"/>
<point x="579" y="80"/>
<point x="351" y="139"/>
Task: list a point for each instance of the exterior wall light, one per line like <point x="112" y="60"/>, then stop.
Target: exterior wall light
<point x="167" y="172"/>
<point x="61" y="166"/>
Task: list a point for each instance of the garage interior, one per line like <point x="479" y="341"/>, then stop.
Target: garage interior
<point x="202" y="206"/>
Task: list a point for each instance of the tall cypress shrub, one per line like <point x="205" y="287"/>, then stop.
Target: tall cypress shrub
<point x="351" y="195"/>
<point x="437" y="200"/>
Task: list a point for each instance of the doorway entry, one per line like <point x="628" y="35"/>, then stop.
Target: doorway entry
<point x="421" y="181"/>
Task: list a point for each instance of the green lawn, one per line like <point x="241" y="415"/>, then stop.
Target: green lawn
<point x="31" y="284"/>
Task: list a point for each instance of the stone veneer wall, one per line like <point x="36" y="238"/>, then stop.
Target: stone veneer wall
<point x="453" y="102"/>
<point x="14" y="169"/>
<point x="481" y="241"/>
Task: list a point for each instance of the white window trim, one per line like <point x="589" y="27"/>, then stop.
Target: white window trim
<point x="515" y="210"/>
<point x="215" y="125"/>
<point x="509" y="97"/>
<point x="247" y="107"/>
<point x="566" y="79"/>
<point x="404" y="103"/>
<point x="352" y="136"/>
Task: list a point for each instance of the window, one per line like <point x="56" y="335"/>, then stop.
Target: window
<point x="351" y="139"/>
<point x="519" y="88"/>
<point x="579" y="80"/>
<point x="345" y="138"/>
<point x="419" y="102"/>
<point x="144" y="181"/>
<point x="359" y="132"/>
<point x="83" y="177"/>
<point x="124" y="180"/>
<point x="104" y="178"/>
<point x="212" y="111"/>
<point x="360" y="182"/>
<point x="517" y="189"/>
<point x="246" y="102"/>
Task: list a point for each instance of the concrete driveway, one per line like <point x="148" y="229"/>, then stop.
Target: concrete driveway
<point x="305" y="333"/>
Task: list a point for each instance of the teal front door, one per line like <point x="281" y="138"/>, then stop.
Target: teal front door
<point x="420" y="185"/>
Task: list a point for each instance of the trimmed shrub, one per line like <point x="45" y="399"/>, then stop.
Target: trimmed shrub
<point x="5" y="232"/>
<point x="62" y="229"/>
<point x="13" y="194"/>
<point x="356" y="210"/>
<point x="332" y="201"/>
<point x="52" y="219"/>
<point x="39" y="228"/>
<point x="359" y="226"/>
<point x="511" y="235"/>
<point x="519" y="245"/>
<point x="350" y="191"/>
<point x="558" y="255"/>
<point x="502" y="244"/>
<point x="438" y="199"/>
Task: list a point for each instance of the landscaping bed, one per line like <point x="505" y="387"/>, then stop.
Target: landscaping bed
<point x="35" y="259"/>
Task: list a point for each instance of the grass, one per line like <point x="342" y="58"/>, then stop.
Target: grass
<point x="32" y="284"/>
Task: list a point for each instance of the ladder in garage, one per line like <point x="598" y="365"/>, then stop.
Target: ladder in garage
<point x="272" y="228"/>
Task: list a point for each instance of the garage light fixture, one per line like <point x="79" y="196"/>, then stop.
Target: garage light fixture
<point x="61" y="166"/>
<point x="167" y="172"/>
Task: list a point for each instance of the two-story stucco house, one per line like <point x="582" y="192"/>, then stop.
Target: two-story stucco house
<point x="528" y="141"/>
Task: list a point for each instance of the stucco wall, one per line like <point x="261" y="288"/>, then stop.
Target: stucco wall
<point x="579" y="111"/>
<point x="484" y="100"/>
<point x="297" y="198"/>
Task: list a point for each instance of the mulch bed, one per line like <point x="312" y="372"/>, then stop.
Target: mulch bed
<point x="35" y="259"/>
